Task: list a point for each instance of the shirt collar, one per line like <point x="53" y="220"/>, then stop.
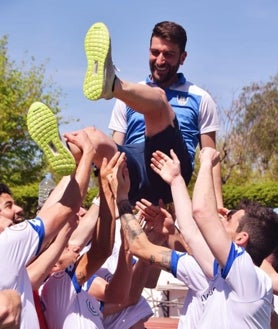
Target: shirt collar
<point x="181" y="81"/>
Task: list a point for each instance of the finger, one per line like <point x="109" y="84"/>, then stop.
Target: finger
<point x="156" y="163"/>
<point x="165" y="212"/>
<point x="145" y="202"/>
<point x="173" y="155"/>
<point x="114" y="159"/>
<point x="158" y="155"/>
<point x="148" y="206"/>
<point x="103" y="167"/>
<point x="140" y="206"/>
<point x="155" y="169"/>
<point x="121" y="159"/>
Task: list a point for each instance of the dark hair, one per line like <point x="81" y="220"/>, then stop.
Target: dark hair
<point x="261" y="224"/>
<point x="172" y="32"/>
<point x="4" y="189"/>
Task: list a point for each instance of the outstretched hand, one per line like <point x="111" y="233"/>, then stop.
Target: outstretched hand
<point x="157" y="219"/>
<point x="118" y="177"/>
<point x="167" y="168"/>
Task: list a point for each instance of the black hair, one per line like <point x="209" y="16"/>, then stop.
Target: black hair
<point x="172" y="32"/>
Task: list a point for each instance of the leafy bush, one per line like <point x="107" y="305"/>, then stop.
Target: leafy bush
<point x="265" y="193"/>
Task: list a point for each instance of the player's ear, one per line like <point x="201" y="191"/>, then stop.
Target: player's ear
<point x="183" y="57"/>
<point x="242" y="238"/>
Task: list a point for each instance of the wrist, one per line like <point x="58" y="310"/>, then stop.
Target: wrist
<point x="177" y="180"/>
<point x="124" y="207"/>
<point x="206" y="162"/>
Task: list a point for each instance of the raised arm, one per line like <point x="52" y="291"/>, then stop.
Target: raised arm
<point x="205" y="207"/>
<point x="55" y="216"/>
<point x="115" y="293"/>
<point x="209" y="140"/>
<point x="138" y="242"/>
<point x="169" y="169"/>
<point x="104" y="234"/>
<point x="86" y="227"/>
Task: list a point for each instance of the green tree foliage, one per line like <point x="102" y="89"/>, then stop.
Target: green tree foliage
<point x="249" y="144"/>
<point x="265" y="193"/>
<point x="20" y="159"/>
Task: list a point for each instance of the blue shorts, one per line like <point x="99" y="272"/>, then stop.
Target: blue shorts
<point x="145" y="183"/>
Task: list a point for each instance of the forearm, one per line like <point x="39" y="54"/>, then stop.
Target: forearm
<point x="138" y="242"/>
<point x="105" y="233"/>
<point x="103" y="236"/>
<point x="84" y="231"/>
<point x="217" y="182"/>
<point x="183" y="210"/>
<point x="10" y="309"/>
<point x="78" y="185"/>
<point x="143" y="273"/>
<point x="118" y="289"/>
<point x="57" y="193"/>
<point x="204" y="200"/>
<point x="205" y="212"/>
<point x="193" y="240"/>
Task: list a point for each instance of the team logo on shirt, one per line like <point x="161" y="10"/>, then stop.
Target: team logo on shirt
<point x="205" y="296"/>
<point x="19" y="227"/>
<point x="182" y="100"/>
<point x="91" y="308"/>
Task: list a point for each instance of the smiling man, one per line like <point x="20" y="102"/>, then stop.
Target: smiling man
<point x="10" y="212"/>
<point x="195" y="110"/>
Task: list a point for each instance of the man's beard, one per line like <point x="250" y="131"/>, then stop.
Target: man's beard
<point x="169" y="75"/>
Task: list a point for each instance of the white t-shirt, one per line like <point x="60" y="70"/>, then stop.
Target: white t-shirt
<point x="19" y="244"/>
<point x="66" y="305"/>
<point x="238" y="296"/>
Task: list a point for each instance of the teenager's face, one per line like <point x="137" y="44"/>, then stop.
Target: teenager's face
<point x="164" y="61"/>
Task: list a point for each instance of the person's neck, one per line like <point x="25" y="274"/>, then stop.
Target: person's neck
<point x="166" y="84"/>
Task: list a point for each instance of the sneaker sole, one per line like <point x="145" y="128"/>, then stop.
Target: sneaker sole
<point x="98" y="35"/>
<point x="43" y="129"/>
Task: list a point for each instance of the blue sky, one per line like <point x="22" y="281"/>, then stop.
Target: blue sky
<point x="230" y="44"/>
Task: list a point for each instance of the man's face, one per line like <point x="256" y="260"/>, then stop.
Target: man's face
<point x="164" y="60"/>
<point x="10" y="213"/>
<point x="231" y="221"/>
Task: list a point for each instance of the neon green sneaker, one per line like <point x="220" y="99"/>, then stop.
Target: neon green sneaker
<point x="43" y="129"/>
<point x="100" y="75"/>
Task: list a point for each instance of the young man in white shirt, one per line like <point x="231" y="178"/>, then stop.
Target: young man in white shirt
<point x="21" y="243"/>
<point x="219" y="273"/>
